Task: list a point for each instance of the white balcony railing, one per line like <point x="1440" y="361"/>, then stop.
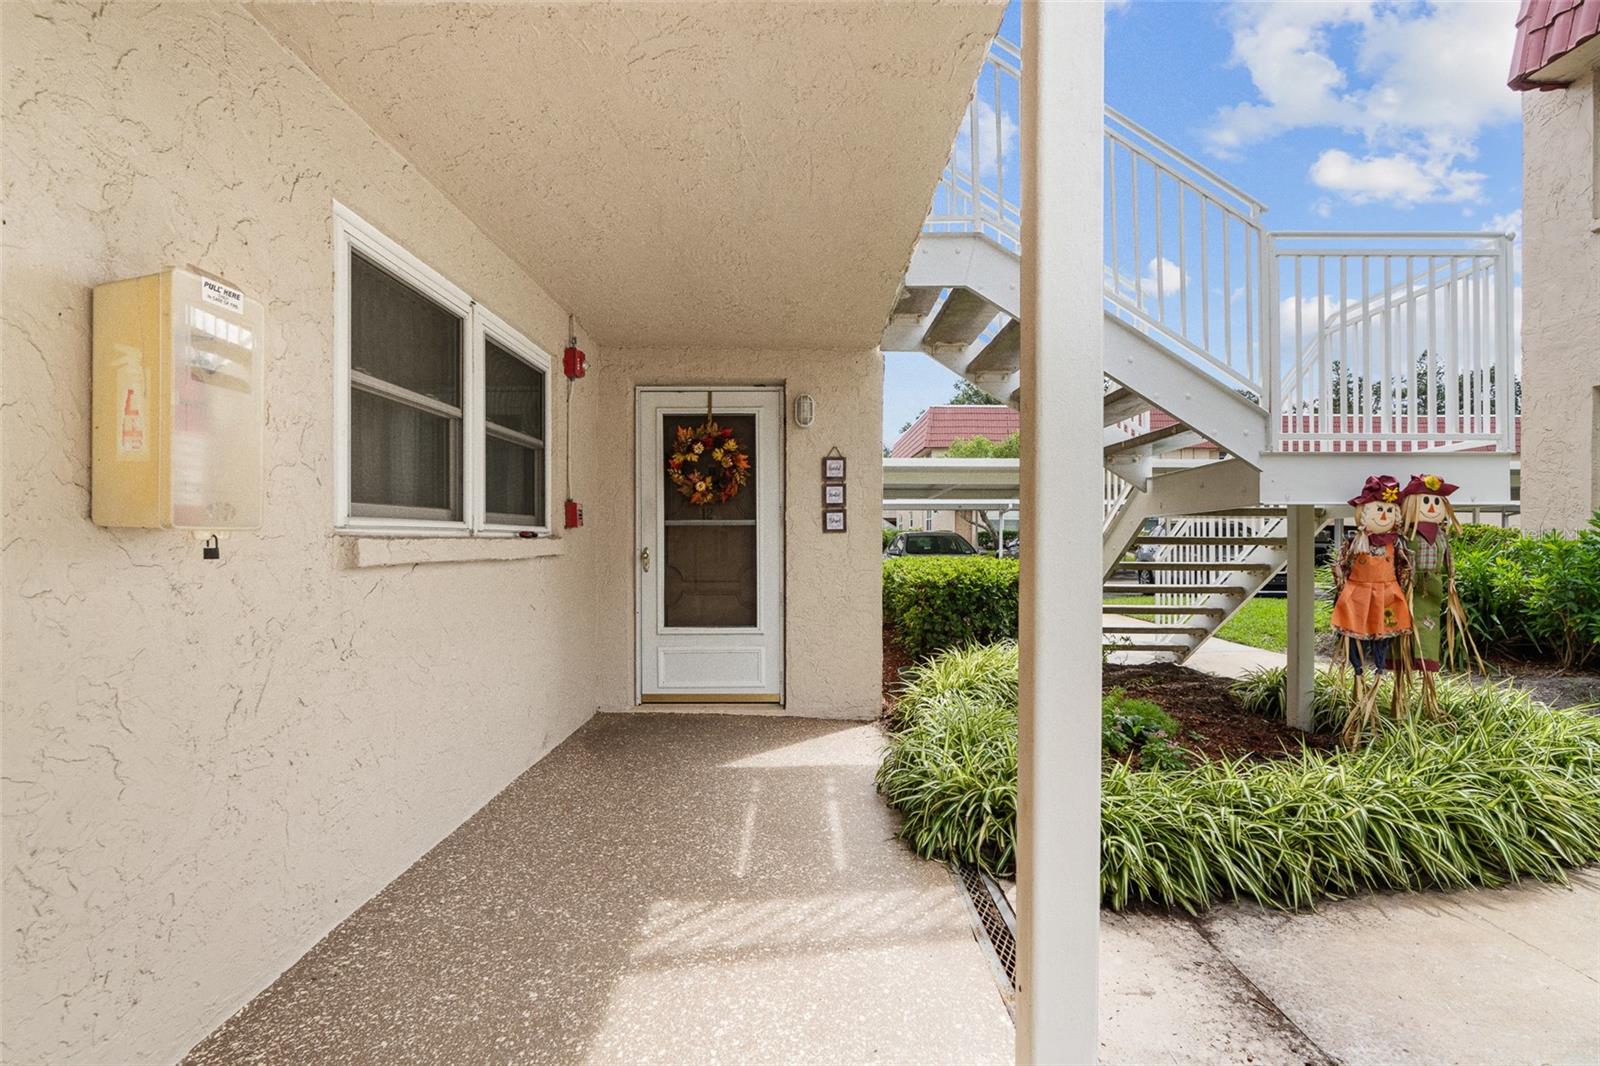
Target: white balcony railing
<point x="1350" y="341"/>
<point x="1394" y="340"/>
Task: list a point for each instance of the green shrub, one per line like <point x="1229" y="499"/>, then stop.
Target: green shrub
<point x="1506" y="788"/>
<point x="1128" y="723"/>
<point x="953" y="774"/>
<point x="889" y="533"/>
<point x="1262" y="692"/>
<point x="938" y="602"/>
<point x="1478" y="537"/>
<point x="1534" y="596"/>
<point x="983" y="673"/>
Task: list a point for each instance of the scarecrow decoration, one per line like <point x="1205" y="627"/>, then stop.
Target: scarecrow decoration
<point x="1370" y="573"/>
<point x="1428" y="521"/>
<point x="707" y="464"/>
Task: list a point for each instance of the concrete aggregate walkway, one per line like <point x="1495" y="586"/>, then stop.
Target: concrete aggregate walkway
<point x="660" y="888"/>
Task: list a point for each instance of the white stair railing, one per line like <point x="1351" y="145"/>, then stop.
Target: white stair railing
<point x="1394" y="337"/>
<point x="1325" y="331"/>
<point x="1184" y="252"/>
<point x="980" y="190"/>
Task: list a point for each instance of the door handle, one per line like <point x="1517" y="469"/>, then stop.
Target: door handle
<point x="644" y="559"/>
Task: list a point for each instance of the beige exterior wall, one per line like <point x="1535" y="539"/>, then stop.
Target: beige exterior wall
<point x="1561" y="295"/>
<point x="209" y="764"/>
<point x="834" y="642"/>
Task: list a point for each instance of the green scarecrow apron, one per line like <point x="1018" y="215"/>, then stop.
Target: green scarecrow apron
<point x="1430" y="567"/>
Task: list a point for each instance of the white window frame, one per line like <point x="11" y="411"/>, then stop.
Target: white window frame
<point x="487" y="325"/>
<point x="351" y="232"/>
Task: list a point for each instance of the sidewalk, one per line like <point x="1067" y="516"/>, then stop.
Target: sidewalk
<point x="1504" y="975"/>
<point x="1491" y="976"/>
<point x="1227" y="659"/>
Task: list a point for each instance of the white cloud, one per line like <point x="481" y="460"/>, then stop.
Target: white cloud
<point x="1418" y="83"/>
<point x="1397" y="179"/>
<point x="1010" y="139"/>
<point x="1171" y="279"/>
<point x="1510" y="222"/>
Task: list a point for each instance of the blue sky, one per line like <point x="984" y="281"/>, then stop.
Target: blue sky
<point x="1337" y="115"/>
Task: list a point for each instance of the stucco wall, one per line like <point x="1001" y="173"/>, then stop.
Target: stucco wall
<point x="1561" y="294"/>
<point x="834" y="652"/>
<point x="207" y="764"/>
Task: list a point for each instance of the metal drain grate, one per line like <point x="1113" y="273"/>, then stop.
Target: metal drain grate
<point x="992" y="915"/>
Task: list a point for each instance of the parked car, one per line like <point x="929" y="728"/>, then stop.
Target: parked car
<point x="1277" y="585"/>
<point x="937" y="543"/>
<point x="1145" y="553"/>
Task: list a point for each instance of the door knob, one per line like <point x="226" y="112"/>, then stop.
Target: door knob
<point x="644" y="559"/>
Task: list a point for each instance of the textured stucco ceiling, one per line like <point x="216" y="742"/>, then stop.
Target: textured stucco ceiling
<point x="709" y="175"/>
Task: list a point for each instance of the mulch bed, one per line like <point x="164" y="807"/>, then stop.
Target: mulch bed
<point x="1212" y="718"/>
<point x="895" y="660"/>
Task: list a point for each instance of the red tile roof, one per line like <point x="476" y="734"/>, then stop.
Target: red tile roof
<point x="936" y="427"/>
<point x="1547" y="30"/>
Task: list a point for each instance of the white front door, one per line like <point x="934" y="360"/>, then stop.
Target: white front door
<point x="709" y="562"/>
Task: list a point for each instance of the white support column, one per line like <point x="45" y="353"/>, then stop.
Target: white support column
<point x="1300" y="681"/>
<point x="1058" y="818"/>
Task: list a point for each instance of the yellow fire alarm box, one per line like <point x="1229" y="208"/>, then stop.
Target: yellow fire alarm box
<point x="178" y="407"/>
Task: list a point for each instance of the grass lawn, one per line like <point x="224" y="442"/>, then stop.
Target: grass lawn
<point x="1264" y="623"/>
<point x="1260" y="623"/>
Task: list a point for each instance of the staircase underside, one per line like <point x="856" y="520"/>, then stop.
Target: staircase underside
<point x="1199" y="496"/>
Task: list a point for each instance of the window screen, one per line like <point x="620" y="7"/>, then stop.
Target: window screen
<point x="514" y="431"/>
<point x="405" y="399"/>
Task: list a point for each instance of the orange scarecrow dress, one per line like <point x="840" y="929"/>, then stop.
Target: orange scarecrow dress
<point x="1371" y="605"/>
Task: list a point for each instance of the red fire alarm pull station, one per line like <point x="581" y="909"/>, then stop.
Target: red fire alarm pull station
<point x="574" y="514"/>
<point x="574" y="362"/>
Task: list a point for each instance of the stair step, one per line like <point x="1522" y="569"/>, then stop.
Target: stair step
<point x="1246" y="512"/>
<point x="1162" y="566"/>
<point x="961" y="320"/>
<point x="1117" y="588"/>
<point x="914" y="303"/>
<point x="1155" y="436"/>
<point x="1120" y="404"/>
<point x="1175" y="649"/>
<point x="1003" y="353"/>
<point x="1160" y="608"/>
<point x="1152" y="627"/>
<point x="1258" y="542"/>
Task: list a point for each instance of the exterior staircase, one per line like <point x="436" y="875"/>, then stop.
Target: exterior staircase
<point x="1198" y="327"/>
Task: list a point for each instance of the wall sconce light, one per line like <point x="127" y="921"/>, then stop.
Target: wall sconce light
<point x="805" y="411"/>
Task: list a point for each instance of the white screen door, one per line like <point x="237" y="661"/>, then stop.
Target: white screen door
<point x="709" y="561"/>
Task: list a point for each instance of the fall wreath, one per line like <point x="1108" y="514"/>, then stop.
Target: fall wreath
<point x="707" y="464"/>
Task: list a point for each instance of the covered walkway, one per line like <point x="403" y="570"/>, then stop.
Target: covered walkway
<point x="668" y="888"/>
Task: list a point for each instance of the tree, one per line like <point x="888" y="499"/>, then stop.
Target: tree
<point x="981" y="447"/>
<point x="1353" y="393"/>
<point x="969" y="394"/>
